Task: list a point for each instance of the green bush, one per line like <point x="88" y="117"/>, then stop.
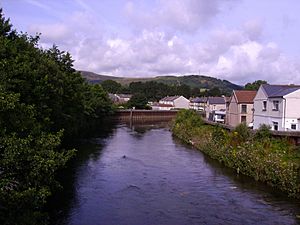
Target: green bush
<point x="267" y="159"/>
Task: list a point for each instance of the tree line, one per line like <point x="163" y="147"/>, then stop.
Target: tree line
<point x="154" y="91"/>
<point x="43" y="101"/>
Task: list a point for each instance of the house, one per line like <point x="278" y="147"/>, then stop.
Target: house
<point x="240" y="107"/>
<point x="119" y="98"/>
<point x="277" y="106"/>
<point x="198" y="104"/>
<point x="172" y="102"/>
<point x="217" y="116"/>
<point x="214" y="104"/>
<point x="159" y="106"/>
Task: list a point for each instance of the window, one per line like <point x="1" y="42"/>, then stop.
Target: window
<point x="275" y="125"/>
<point x="275" y="105"/>
<point x="243" y="119"/>
<point x="264" y="105"/>
<point x="244" y="108"/>
<point x="293" y="126"/>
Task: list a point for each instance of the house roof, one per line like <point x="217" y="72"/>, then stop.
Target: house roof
<point x="216" y="100"/>
<point x="199" y="100"/>
<point x="161" y="105"/>
<point x="170" y="98"/>
<point x="124" y="95"/>
<point x="245" y="96"/>
<point x="273" y="91"/>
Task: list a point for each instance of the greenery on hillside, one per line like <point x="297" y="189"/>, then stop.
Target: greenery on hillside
<point x="154" y="91"/>
<point x="255" y="85"/>
<point x="193" y="81"/>
<point x="43" y="100"/>
<point x="259" y="155"/>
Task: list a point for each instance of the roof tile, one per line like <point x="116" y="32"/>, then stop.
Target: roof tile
<point x="245" y="96"/>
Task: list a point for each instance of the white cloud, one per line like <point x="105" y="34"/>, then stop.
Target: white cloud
<point x="174" y="15"/>
<point x="52" y="33"/>
<point x="39" y="4"/>
<point x="239" y="55"/>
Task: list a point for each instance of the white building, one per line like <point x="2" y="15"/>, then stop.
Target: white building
<point x="198" y="104"/>
<point x="119" y="98"/>
<point x="172" y="102"/>
<point x="215" y="104"/>
<point x="277" y="106"/>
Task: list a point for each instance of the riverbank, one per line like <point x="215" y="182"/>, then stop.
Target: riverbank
<point x="273" y="161"/>
<point x="169" y="183"/>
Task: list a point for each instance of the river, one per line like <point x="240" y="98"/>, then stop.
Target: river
<point x="142" y="175"/>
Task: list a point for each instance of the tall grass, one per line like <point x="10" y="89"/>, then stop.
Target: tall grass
<point x="259" y="155"/>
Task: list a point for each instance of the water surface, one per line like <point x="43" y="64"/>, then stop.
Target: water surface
<point x="143" y="175"/>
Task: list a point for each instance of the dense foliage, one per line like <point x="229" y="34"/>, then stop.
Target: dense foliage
<point x="112" y="86"/>
<point x="138" y="101"/>
<point x="255" y="85"/>
<point x="154" y="91"/>
<point x="259" y="155"/>
<point x="198" y="82"/>
<point x="43" y="100"/>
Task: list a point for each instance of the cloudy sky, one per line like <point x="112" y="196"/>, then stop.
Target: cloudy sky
<point x="237" y="40"/>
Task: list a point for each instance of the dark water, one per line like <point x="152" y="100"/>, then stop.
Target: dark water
<point x="145" y="176"/>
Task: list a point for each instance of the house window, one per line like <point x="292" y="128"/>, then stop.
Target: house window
<point x="275" y="105"/>
<point x="243" y="119"/>
<point x="264" y="105"/>
<point x="275" y="125"/>
<point x="244" y="108"/>
<point x="293" y="126"/>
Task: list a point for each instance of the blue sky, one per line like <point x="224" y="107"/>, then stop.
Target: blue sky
<point x="237" y="40"/>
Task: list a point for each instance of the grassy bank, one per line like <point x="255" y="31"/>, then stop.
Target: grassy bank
<point x="273" y="161"/>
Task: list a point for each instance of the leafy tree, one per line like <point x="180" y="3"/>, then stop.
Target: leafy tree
<point x="43" y="100"/>
<point x="154" y="91"/>
<point x="212" y="92"/>
<point x="184" y="90"/>
<point x="139" y="101"/>
<point x="111" y="86"/>
<point x="255" y="85"/>
<point x="195" y="92"/>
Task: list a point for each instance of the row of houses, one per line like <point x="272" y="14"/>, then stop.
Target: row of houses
<point x="277" y="106"/>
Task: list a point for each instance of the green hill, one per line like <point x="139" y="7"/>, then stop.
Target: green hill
<point x="194" y="81"/>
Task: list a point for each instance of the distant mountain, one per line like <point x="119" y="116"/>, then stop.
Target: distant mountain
<point x="194" y="81"/>
<point x="97" y="78"/>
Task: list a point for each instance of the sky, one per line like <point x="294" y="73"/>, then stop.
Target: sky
<point x="237" y="40"/>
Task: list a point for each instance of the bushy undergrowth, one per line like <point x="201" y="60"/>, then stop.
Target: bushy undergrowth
<point x="259" y="155"/>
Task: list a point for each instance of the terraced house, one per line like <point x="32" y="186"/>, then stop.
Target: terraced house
<point x="240" y="108"/>
<point x="278" y="106"/>
<point x="171" y="102"/>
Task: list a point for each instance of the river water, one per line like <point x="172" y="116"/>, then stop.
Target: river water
<point x="143" y="175"/>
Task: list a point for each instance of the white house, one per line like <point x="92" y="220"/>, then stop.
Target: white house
<point x="173" y="102"/>
<point x="119" y="98"/>
<point x="277" y="106"/>
<point x="214" y="104"/>
<point x="198" y="104"/>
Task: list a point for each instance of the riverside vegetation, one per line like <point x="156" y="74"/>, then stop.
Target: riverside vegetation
<point x="258" y="155"/>
<point x="43" y="102"/>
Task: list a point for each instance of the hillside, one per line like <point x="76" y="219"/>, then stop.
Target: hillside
<point x="194" y="81"/>
<point x="97" y="78"/>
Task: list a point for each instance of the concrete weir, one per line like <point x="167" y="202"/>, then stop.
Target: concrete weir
<point x="131" y="115"/>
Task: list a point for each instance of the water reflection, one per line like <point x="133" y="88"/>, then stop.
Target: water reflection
<point x="142" y="175"/>
<point x="89" y="150"/>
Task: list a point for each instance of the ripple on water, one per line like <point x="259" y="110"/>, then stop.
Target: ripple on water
<point x="161" y="181"/>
